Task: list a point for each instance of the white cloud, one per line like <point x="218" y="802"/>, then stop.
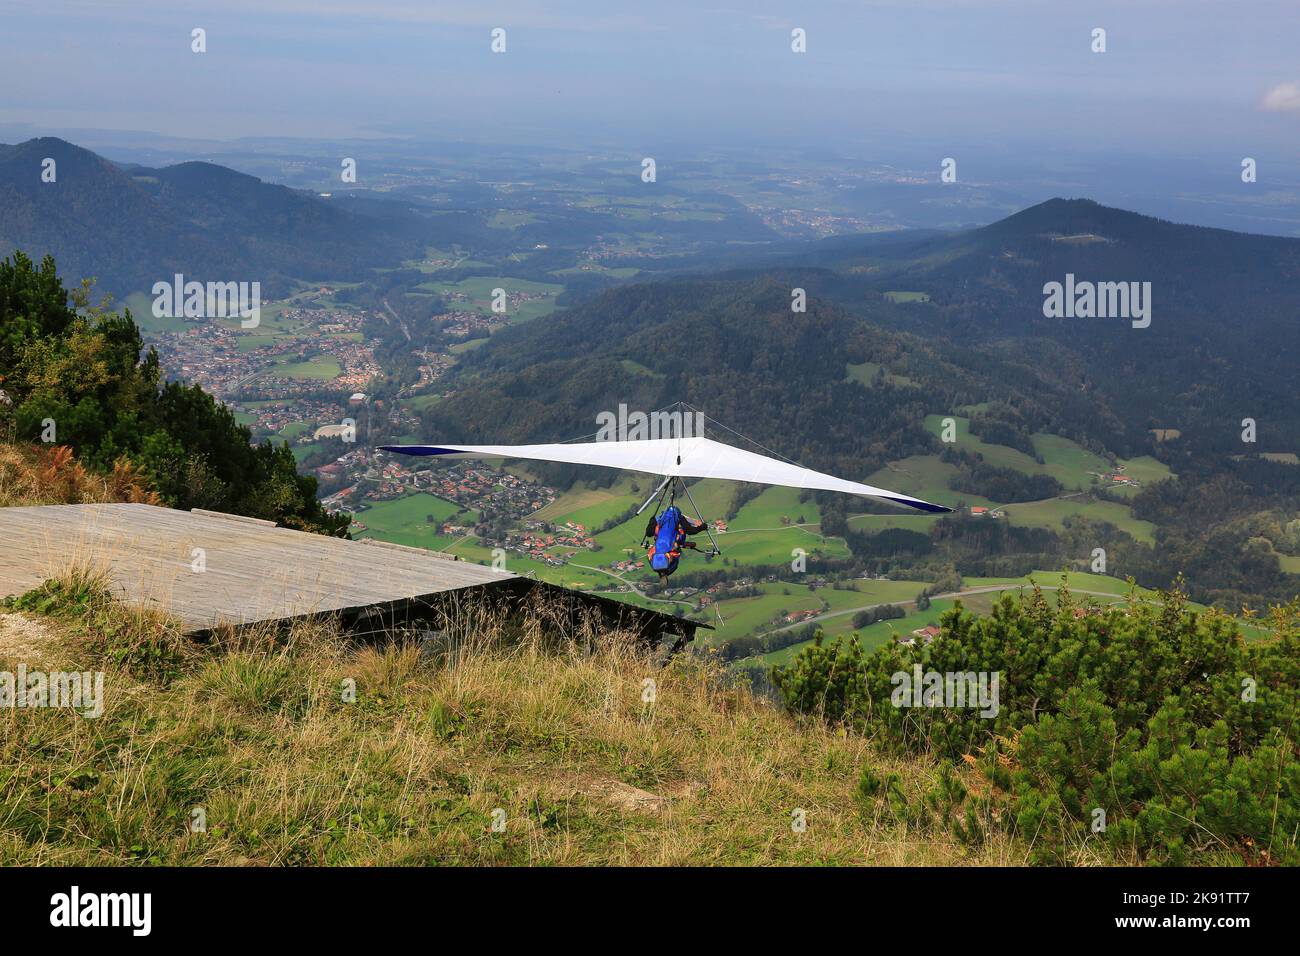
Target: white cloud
<point x="1283" y="98"/>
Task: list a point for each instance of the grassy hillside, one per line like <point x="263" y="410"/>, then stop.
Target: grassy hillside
<point x="502" y="744"/>
<point x="254" y="730"/>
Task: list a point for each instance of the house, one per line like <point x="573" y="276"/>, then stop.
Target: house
<point x="927" y="633"/>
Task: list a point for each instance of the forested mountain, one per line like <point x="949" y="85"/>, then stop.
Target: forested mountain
<point x="132" y="226"/>
<point x="731" y="347"/>
<point x="1222" y="343"/>
<point x="735" y="348"/>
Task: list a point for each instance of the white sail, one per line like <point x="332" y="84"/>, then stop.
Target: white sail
<point x="673" y="457"/>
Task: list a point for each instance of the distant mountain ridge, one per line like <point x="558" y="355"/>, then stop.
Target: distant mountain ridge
<point x="1222" y="345"/>
<point x="131" y="226"/>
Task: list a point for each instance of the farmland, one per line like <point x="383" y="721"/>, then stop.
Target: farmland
<point x="407" y="521"/>
<point x="528" y="299"/>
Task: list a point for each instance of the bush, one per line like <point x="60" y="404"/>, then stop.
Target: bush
<point x="1155" y="731"/>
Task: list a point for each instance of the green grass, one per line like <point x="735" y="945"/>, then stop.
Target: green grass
<point x="321" y="368"/>
<point x="421" y="402"/>
<point x="1053" y="512"/>
<point x="249" y="342"/>
<point x="636" y="368"/>
<point x="412" y="770"/>
<point x="1146" y="469"/>
<point x="510" y="219"/>
<point x="775" y="508"/>
<point x="864" y="373"/>
<point x="622" y="272"/>
<point x="479" y="292"/>
<point x="403" y="521"/>
<point x="1080" y="580"/>
<point x="141" y="306"/>
<point x="743" y="615"/>
<point x="1065" y="460"/>
<point x="1068" y="462"/>
<point x="592" y="507"/>
<point x="294" y="429"/>
<point x="300" y="452"/>
<point x="925" y="476"/>
<point x="568" y="575"/>
<point x="468" y="346"/>
<point x="876" y="634"/>
<point x="912" y="522"/>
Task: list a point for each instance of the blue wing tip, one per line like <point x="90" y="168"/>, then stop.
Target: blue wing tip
<point x="415" y="449"/>
<point x="920" y="505"/>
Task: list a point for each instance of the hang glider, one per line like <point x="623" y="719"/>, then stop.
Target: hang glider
<point x="673" y="458"/>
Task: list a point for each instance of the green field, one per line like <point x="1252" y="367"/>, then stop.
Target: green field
<point x="1065" y="460"/>
<point x="478" y="292"/>
<point x="1053" y="512"/>
<point x="620" y="272"/>
<point x="300" y="452"/>
<point x="928" y="477"/>
<point x="736" y="617"/>
<point x="864" y="373"/>
<point x="421" y="402"/>
<point x="592" y="507"/>
<point x="510" y="219"/>
<point x="467" y="346"/>
<point x="925" y="476"/>
<point x="141" y="306"/>
<point x="915" y="521"/>
<point x="248" y="343"/>
<point x="404" y="521"/>
<point x="321" y="368"/>
<point x="1146" y="470"/>
<point x="876" y="634"/>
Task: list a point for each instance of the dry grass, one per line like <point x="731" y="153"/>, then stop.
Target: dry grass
<point x="556" y="733"/>
<point x="49" y="475"/>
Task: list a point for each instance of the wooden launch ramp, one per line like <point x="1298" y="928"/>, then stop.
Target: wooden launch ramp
<point x="206" y="569"/>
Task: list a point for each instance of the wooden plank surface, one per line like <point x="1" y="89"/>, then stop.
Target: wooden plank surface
<point x="253" y="571"/>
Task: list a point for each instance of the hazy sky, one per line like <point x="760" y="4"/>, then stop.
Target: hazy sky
<point x="1191" y="76"/>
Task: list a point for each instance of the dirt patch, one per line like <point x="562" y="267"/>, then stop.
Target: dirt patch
<point x="624" y="796"/>
<point x="22" y="639"/>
